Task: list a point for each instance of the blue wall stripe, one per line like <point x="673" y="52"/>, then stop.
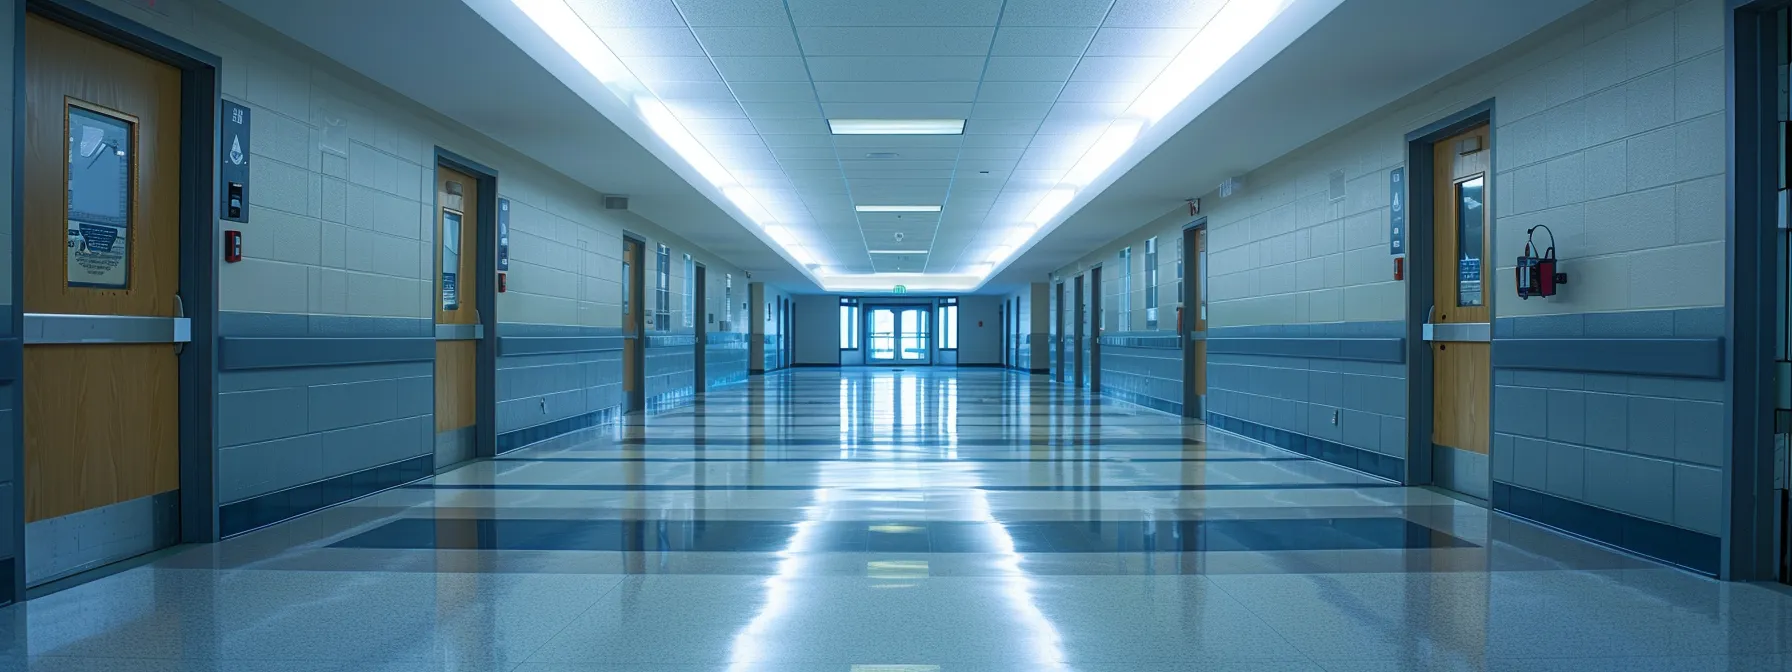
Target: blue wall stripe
<point x="1388" y="350"/>
<point x="510" y="346"/>
<point x="1669" y="357"/>
<point x="244" y="353"/>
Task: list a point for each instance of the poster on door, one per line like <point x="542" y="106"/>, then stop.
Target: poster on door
<point x="97" y="256"/>
<point x="1468" y="278"/>
<point x="450" y="260"/>
<point x="99" y="200"/>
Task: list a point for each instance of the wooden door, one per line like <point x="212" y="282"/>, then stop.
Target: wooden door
<point x="457" y="314"/>
<point x="102" y="237"/>
<point x="1079" y="319"/>
<point x="1192" y="323"/>
<point x="1462" y="372"/>
<point x="632" y="365"/>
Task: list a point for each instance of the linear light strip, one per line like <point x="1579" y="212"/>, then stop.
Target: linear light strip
<point x="896" y="126"/>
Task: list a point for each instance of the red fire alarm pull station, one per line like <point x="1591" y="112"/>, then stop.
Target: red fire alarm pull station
<point x="501" y="282"/>
<point x="1537" y="276"/>
<point x="233" y="246"/>
<point x="1399" y="268"/>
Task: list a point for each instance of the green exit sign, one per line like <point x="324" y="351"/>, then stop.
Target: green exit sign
<point x="899" y="289"/>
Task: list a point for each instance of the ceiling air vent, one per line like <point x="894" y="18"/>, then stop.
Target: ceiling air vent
<point x="882" y="155"/>
<point x="615" y="202"/>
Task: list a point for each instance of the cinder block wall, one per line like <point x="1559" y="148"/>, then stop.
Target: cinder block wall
<point x="1609" y="128"/>
<point x="340" y="246"/>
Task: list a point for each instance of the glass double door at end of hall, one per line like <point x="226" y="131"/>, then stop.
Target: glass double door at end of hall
<point x="899" y="335"/>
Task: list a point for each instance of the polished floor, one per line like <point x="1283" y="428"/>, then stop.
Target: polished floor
<point x="902" y="521"/>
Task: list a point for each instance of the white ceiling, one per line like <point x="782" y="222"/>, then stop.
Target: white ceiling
<point x="754" y="81"/>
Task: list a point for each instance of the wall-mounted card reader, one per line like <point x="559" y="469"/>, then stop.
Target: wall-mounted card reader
<point x="233" y="201"/>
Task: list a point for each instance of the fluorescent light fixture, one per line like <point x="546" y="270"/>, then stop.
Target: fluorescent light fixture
<point x="1050" y="206"/>
<point x="897" y="251"/>
<point x="666" y="125"/>
<point x="569" y="31"/>
<point x="1108" y="149"/>
<point x="743" y="199"/>
<point x="1223" y="37"/>
<point x="1000" y="254"/>
<point x="1020" y="237"/>
<point x="896" y="126"/>
<point x="982" y="269"/>
<point x="897" y="208"/>
<point x="780" y="235"/>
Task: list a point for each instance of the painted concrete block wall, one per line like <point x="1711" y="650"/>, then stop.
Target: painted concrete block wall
<point x="342" y="225"/>
<point x="979" y="330"/>
<point x="817" y="334"/>
<point x="1608" y="128"/>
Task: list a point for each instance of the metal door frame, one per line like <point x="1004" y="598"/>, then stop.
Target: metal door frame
<point x="198" y="363"/>
<point x="897" y="309"/>
<point x="1192" y="401"/>
<point x="638" y="270"/>
<point x="700" y="303"/>
<point x="485" y="358"/>
<point x="1421" y="280"/>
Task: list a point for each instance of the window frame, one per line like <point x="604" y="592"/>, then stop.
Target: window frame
<point x="947" y="322"/>
<point x="1151" y="301"/>
<point x="1125" y="307"/>
<point x="662" y="290"/>
<point x="851" y="325"/>
<point x="690" y="293"/>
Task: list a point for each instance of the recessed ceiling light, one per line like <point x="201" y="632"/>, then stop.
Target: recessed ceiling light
<point x="897" y="251"/>
<point x="896" y="126"/>
<point x="897" y="208"/>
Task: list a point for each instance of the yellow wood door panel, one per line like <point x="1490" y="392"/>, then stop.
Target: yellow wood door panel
<point x="457" y="253"/>
<point x="101" y="421"/>
<point x="1462" y="372"/>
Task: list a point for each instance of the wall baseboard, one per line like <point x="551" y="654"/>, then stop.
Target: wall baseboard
<point x="1366" y="461"/>
<point x="1679" y="546"/>
<point x="515" y="439"/>
<point x="257" y="512"/>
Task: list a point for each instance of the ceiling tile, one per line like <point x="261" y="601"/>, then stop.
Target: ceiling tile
<point x="731" y="141"/>
<point x="706" y="109"/>
<point x="1055" y="12"/>
<point x="774" y="92"/>
<point x="749" y="158"/>
<point x="829" y="164"/>
<point x="1162" y="13"/>
<point x="1014" y="141"/>
<point x="1041" y="41"/>
<point x="1119" y="69"/>
<point x="1101" y="92"/>
<point x="803" y="110"/>
<point x="902" y="153"/>
<point x="903" y="13"/>
<point x="1019" y="92"/>
<point x="672" y="68"/>
<point x="1004" y="127"/>
<point x="1070" y="126"/>
<point x="896" y="69"/>
<point x="810" y="153"/>
<point x="896" y="41"/>
<point x="800" y="140"/>
<point x="627" y="13"/>
<point x="896" y="110"/>
<point x="762" y="69"/>
<point x="788" y="125"/>
<point x="1029" y="68"/>
<point x="1023" y="111"/>
<point x="734" y="12"/>
<point x="1163" y="42"/>
<point x="626" y="42"/>
<point x="769" y="41"/>
<point x="719" y="126"/>
<point x="691" y="90"/>
<point x="891" y="92"/>
<point x="1087" y="112"/>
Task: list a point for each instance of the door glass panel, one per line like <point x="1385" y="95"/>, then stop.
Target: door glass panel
<point x="1470" y="224"/>
<point x="99" y="200"/>
<point x="914" y="334"/>
<point x="883" y="334"/>
<point x="450" y="260"/>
